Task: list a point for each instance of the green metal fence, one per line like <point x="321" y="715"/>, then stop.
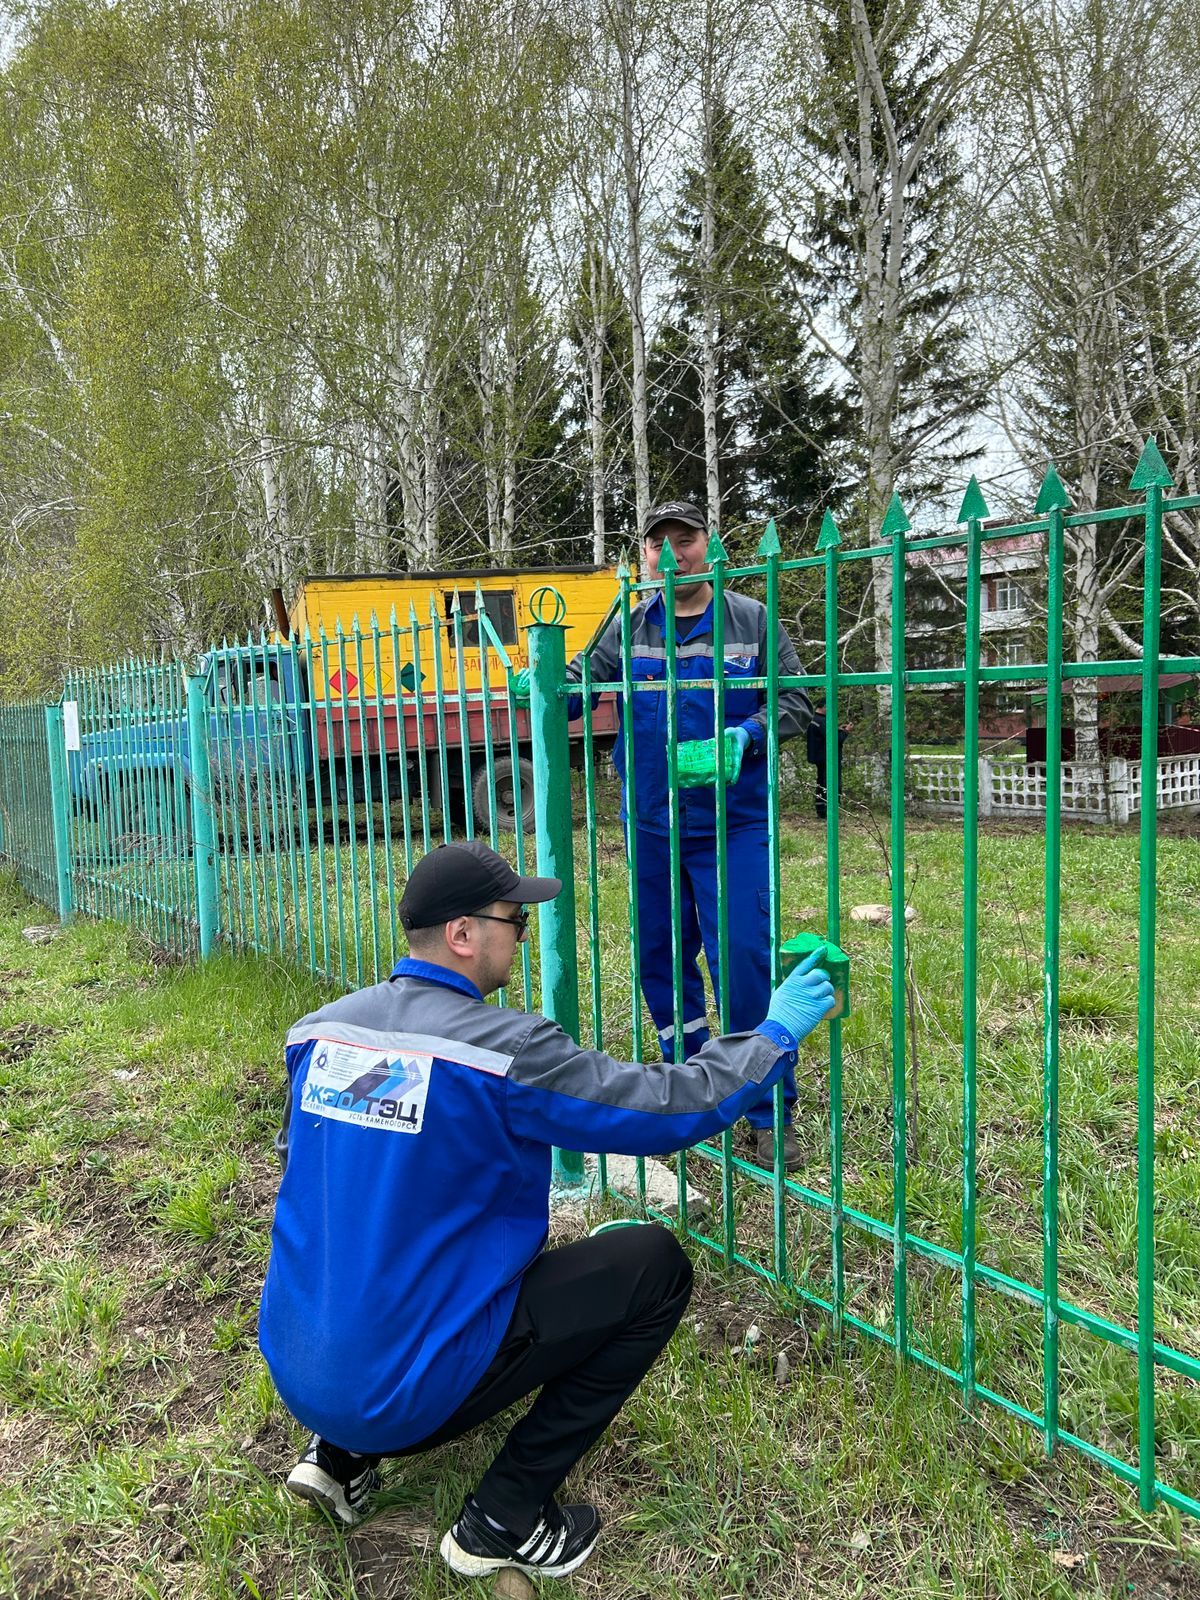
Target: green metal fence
<point x="127" y="763"/>
<point x="764" y="1238"/>
<point x="26" y="809"/>
<point x="275" y="797"/>
<point x="334" y="763"/>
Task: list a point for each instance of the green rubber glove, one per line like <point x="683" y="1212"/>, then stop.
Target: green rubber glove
<point x="697" y="761"/>
<point x="519" y="684"/>
<point x="736" y="743"/>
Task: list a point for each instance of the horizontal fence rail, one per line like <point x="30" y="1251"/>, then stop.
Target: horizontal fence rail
<point x="274" y="797"/>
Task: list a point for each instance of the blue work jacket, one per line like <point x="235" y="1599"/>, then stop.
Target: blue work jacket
<point x="747" y="652"/>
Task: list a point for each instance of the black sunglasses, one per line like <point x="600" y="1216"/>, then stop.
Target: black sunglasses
<point x="520" y="921"/>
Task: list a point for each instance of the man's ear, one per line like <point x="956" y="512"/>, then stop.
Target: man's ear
<point x="458" y="935"/>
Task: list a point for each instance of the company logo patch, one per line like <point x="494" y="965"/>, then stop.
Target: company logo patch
<point x="373" y="1088"/>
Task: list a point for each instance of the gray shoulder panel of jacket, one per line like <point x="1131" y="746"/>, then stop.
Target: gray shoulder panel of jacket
<point x="408" y="1013"/>
<point x="550" y="1060"/>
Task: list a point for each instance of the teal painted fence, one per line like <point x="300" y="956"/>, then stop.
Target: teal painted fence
<point x="274" y="797"/>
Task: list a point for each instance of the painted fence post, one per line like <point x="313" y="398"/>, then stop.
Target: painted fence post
<point x="551" y="752"/>
<point x="204" y="855"/>
<point x="1152" y="477"/>
<point x="60" y="802"/>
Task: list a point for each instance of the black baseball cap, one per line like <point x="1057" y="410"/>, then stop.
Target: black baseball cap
<point x="675" y="511"/>
<point x="456" y="880"/>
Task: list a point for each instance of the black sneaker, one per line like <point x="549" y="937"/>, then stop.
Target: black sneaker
<point x="342" y="1485"/>
<point x="563" y="1540"/>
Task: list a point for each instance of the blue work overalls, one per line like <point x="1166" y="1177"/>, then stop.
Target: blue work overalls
<point x="748" y="883"/>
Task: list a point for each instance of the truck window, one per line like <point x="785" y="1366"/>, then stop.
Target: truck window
<point x="501" y="612"/>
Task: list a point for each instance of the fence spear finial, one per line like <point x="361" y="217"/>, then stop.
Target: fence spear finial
<point x="769" y="544"/>
<point x="1052" y="496"/>
<point x="895" y="519"/>
<point x="830" y="536"/>
<point x="1151" y="469"/>
<point x="974" y="506"/>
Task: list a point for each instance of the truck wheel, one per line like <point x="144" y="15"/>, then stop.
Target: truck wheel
<point x="506" y="804"/>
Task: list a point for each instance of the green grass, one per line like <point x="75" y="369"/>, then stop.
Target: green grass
<point x="143" y="1446"/>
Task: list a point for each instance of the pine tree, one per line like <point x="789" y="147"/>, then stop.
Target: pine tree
<point x="777" y="427"/>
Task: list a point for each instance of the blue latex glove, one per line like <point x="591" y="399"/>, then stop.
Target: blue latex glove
<point x="519" y="683"/>
<point x="804" y="998"/>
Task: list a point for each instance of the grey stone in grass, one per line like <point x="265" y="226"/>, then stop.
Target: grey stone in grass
<point x="41" y="933"/>
<point x="879" y="916"/>
<point x="512" y="1585"/>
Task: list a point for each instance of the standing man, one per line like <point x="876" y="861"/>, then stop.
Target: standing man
<point x="747" y="652"/>
<point x="409" y="1295"/>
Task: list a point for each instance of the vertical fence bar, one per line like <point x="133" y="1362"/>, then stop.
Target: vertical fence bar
<point x="348" y="759"/>
<point x="1052" y="501"/>
<point x="769" y="551"/>
<point x="204" y="836"/>
<point x="668" y="567"/>
<point x="60" y="801"/>
<point x="318" y="805"/>
<point x="439" y="703"/>
<point x="555" y="844"/>
<point x="401" y="744"/>
<point x="385" y="788"/>
<point x="1152" y="476"/>
<point x="419" y="708"/>
<point x="464" y="709"/>
<point x="972" y="512"/>
<point x="592" y="829"/>
<point x="369" y="727"/>
<point x="631" y="833"/>
<point x="896" y="525"/>
<point x="295" y="792"/>
<point x="487" y="640"/>
<point x="717" y="559"/>
<point x="828" y="543"/>
<point x="271" y="710"/>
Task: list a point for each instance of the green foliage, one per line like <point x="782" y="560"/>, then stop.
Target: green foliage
<point x="779" y="424"/>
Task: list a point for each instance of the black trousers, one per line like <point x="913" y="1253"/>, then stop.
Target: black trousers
<point x="590" y="1319"/>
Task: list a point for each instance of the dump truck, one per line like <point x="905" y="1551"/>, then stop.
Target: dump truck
<point x="319" y="696"/>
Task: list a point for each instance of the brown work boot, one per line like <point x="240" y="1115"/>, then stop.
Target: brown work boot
<point x="764" y="1148"/>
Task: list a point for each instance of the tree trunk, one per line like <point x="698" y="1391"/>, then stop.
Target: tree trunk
<point x="709" y="374"/>
<point x="596" y="429"/>
<point x="639" y="420"/>
<point x="487" y="405"/>
<point x="1086" y="602"/>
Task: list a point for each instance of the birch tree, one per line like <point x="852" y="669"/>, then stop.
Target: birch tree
<point x="1106" y="301"/>
<point x="885" y="234"/>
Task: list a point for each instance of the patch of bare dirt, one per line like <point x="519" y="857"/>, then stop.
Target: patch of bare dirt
<point x="1094" y="1551"/>
<point x="21" y="1040"/>
<point x="381" y="1552"/>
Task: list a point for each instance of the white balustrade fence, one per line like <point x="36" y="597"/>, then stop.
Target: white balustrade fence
<point x="1010" y="787"/>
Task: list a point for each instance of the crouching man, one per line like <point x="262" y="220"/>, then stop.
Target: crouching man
<point x="410" y="1295"/>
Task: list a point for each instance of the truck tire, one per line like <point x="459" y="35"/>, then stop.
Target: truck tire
<point x="506" y="815"/>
